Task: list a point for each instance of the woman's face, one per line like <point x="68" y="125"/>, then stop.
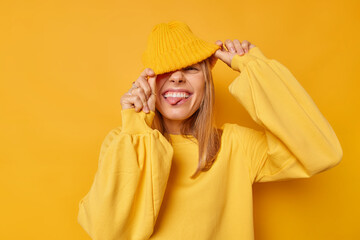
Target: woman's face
<point x="179" y="93"/>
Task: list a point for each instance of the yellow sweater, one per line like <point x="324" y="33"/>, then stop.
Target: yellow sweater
<point x="142" y="188"/>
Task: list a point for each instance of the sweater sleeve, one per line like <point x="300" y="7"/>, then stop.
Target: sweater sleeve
<point x="296" y="141"/>
<point x="126" y="194"/>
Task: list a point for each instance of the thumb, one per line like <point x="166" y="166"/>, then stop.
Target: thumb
<point x="223" y="54"/>
<point x="152" y="98"/>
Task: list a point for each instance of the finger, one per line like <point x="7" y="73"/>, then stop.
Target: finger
<point x="141" y="94"/>
<point x="134" y="86"/>
<point x="152" y="84"/>
<point x="218" y="52"/>
<point x="147" y="72"/>
<point x="230" y="46"/>
<point x="131" y="101"/>
<point x="136" y="101"/>
<point x="238" y="47"/>
<point x="224" y="56"/>
<point x="152" y="98"/>
<point x="143" y="80"/>
<point x="220" y="44"/>
<point x="143" y="83"/>
<point x="245" y="45"/>
<point x="125" y="101"/>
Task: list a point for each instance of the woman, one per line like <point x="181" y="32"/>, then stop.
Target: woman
<point x="169" y="173"/>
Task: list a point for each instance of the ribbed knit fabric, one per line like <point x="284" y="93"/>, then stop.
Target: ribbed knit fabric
<point x="172" y="46"/>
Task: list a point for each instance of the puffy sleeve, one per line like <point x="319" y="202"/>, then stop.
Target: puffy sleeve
<point x="296" y="141"/>
<point x="126" y="194"/>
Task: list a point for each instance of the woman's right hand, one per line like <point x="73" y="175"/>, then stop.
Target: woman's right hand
<point x="141" y="95"/>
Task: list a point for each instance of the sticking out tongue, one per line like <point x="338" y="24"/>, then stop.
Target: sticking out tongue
<point x="174" y="100"/>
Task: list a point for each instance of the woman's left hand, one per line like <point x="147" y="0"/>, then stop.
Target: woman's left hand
<point x="233" y="48"/>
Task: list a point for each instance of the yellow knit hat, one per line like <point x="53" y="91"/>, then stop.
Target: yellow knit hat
<point x="172" y="46"/>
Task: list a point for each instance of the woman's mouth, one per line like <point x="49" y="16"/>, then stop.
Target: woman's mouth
<point x="176" y="98"/>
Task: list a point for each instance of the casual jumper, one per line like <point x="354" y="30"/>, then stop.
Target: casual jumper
<point x="143" y="190"/>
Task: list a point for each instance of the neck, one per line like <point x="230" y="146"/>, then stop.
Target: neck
<point x="173" y="126"/>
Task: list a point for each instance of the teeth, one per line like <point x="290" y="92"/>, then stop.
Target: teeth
<point x="177" y="94"/>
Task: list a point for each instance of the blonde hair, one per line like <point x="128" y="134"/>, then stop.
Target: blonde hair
<point x="201" y="124"/>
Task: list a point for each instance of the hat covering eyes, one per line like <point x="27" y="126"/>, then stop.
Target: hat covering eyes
<point x="172" y="46"/>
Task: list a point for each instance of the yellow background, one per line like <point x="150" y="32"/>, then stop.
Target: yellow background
<point x="65" y="64"/>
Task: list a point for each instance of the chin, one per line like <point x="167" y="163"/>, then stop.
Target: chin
<point x="179" y="112"/>
<point x="176" y="114"/>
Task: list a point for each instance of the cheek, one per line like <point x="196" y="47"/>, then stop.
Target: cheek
<point x="160" y="80"/>
<point x="200" y="93"/>
<point x="200" y="97"/>
<point x="159" y="99"/>
<point x="200" y="89"/>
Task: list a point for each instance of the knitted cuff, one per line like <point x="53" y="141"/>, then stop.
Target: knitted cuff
<point x="238" y="62"/>
<point x="136" y="122"/>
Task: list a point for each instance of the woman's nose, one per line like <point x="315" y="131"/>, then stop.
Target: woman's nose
<point x="177" y="77"/>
